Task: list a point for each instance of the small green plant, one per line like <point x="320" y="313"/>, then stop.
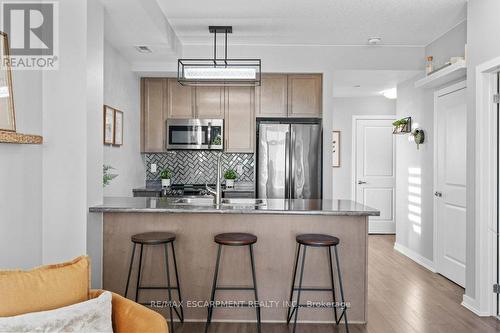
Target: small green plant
<point x="217" y="140"/>
<point x="400" y="122"/>
<point x="166" y="174"/>
<point x="106" y="176"/>
<point x="230" y="174"/>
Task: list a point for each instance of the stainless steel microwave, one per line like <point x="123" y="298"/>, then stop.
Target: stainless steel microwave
<point x="196" y="134"/>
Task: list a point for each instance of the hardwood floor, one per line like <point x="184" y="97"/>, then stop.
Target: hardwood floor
<point x="403" y="297"/>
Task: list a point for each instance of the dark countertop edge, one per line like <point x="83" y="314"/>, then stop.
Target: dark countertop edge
<point x="227" y="211"/>
<point x="158" y="189"/>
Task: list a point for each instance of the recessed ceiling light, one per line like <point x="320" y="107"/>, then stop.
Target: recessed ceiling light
<point x="390" y="93"/>
<point x="374" y="40"/>
<point x="357" y="86"/>
<point x="143" y="49"/>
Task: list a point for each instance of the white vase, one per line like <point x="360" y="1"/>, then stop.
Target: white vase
<point x="165" y="182"/>
<point x="229" y="183"/>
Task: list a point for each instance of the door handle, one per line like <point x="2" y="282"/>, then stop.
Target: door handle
<point x="438" y="194"/>
<point x="360" y="182"/>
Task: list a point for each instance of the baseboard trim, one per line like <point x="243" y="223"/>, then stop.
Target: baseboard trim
<point x="416" y="257"/>
<point x="470" y="304"/>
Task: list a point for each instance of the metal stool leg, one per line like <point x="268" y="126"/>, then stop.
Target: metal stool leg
<point x="332" y="280"/>
<point x="178" y="284"/>
<point x="252" y="262"/>
<point x="214" y="285"/>
<point x="344" y="312"/>
<point x="169" y="289"/>
<point x="139" y="275"/>
<point x="289" y="312"/>
<point x="300" y="289"/>
<point x="130" y="269"/>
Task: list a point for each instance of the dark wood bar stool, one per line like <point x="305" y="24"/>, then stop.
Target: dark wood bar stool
<point x="234" y="239"/>
<point x="325" y="241"/>
<point x="150" y="239"/>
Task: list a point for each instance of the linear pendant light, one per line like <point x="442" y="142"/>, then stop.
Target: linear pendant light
<point x="219" y="72"/>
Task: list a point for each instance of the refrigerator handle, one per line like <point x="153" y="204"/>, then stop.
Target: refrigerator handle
<point x="292" y="164"/>
<point x="287" y="165"/>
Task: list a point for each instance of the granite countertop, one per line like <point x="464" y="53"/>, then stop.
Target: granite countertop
<point x="272" y="206"/>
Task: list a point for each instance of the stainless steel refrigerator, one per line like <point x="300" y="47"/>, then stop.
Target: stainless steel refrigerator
<point x="289" y="159"/>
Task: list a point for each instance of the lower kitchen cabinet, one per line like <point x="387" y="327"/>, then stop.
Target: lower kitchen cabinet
<point x="239" y="119"/>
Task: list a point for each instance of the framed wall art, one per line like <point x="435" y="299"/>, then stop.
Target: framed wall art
<point x="336" y="149"/>
<point x="118" y="135"/>
<point x="109" y="125"/>
<point x="7" y="115"/>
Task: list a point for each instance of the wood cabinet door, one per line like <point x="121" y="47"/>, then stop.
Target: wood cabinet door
<point x="209" y="102"/>
<point x="305" y="95"/>
<point x="239" y="119"/>
<point x="272" y="96"/>
<point x="180" y="100"/>
<point x="153" y="114"/>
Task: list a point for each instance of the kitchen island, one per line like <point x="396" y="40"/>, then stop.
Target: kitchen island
<point x="275" y="222"/>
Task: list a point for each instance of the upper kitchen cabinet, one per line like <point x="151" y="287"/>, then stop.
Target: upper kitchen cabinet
<point x="153" y="100"/>
<point x="209" y="102"/>
<point x="272" y="96"/>
<point x="305" y="93"/>
<point x="239" y="119"/>
<point x="180" y="100"/>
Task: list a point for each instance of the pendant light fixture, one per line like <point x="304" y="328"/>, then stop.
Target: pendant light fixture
<point x="219" y="71"/>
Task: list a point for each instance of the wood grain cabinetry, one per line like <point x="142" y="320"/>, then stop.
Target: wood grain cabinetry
<point x="272" y="96"/>
<point x="290" y="95"/>
<point x="304" y="95"/>
<point x="153" y="99"/>
<point x="209" y="102"/>
<point x="239" y="119"/>
<point x="180" y="100"/>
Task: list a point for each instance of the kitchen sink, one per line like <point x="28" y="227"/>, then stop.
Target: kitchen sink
<point x="243" y="202"/>
<point x="209" y="201"/>
<point x="193" y="201"/>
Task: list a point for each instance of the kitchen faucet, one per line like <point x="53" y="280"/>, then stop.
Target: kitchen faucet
<point x="217" y="192"/>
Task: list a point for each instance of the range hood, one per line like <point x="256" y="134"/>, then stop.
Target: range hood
<point x="219" y="71"/>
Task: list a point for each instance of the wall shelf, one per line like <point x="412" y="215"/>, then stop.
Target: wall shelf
<point x="13" y="137"/>
<point x="446" y="75"/>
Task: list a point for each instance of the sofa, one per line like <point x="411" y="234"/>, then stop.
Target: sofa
<point x="55" y="286"/>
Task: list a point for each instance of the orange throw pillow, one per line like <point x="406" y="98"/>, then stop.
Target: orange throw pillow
<point x="44" y="288"/>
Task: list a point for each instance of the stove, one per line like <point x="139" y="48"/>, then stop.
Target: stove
<point x="178" y="190"/>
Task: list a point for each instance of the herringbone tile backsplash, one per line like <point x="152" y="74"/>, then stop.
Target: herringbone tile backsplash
<point x="198" y="167"/>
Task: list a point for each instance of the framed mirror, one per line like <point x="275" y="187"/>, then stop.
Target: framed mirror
<point x="7" y="115"/>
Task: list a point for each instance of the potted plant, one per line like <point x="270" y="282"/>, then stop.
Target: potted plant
<point x="230" y="175"/>
<point x="165" y="176"/>
<point x="400" y="125"/>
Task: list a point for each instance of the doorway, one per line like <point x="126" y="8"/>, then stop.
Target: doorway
<point x="450" y="121"/>
<point x="374" y="165"/>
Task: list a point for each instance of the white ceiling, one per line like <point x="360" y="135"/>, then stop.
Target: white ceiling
<point x="321" y="22"/>
<point x="371" y="83"/>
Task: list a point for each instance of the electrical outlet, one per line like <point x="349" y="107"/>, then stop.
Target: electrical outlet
<point x="239" y="169"/>
<point x="153" y="167"/>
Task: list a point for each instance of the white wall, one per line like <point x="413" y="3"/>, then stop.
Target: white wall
<point x="414" y="232"/>
<point x="21" y="179"/>
<point x="122" y="92"/>
<point x="343" y="110"/>
<point x="72" y="127"/>
<point x="451" y="44"/>
<point x="483" y="25"/>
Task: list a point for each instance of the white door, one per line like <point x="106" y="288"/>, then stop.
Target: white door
<point x="374" y="170"/>
<point x="450" y="182"/>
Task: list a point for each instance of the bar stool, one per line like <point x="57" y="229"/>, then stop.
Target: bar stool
<point x="150" y="239"/>
<point x="234" y="239"/>
<point x="325" y="241"/>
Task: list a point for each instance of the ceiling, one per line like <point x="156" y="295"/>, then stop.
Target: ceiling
<point x="370" y="82"/>
<point x="318" y="22"/>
